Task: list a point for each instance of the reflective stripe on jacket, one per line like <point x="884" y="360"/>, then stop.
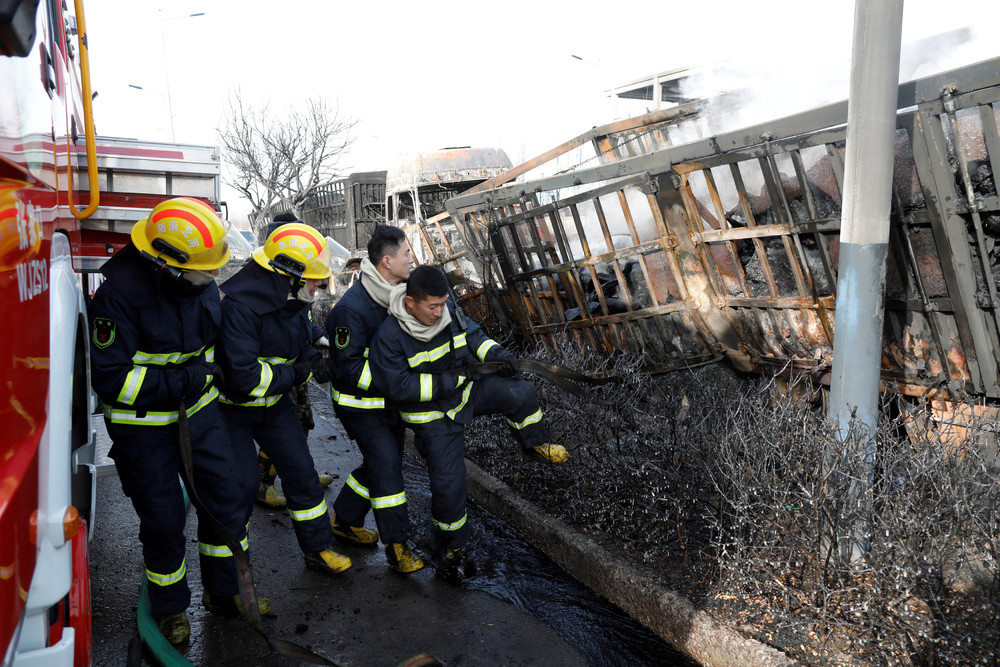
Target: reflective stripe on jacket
<point x="157" y="417"/>
<point x="414" y="373"/>
<point x="357" y="316"/>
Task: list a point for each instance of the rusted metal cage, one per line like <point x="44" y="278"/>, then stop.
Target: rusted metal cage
<point x="727" y="246"/>
<point x="348" y="210"/>
<point x="417" y="186"/>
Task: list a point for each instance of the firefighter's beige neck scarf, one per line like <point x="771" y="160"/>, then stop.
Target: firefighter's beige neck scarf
<point x="409" y="323"/>
<point x="378" y="288"/>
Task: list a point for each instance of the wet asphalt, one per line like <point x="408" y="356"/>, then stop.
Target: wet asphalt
<point x="519" y="608"/>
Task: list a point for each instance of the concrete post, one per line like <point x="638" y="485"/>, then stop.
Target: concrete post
<point x="864" y="235"/>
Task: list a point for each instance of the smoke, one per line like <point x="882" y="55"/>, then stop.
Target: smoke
<point x="765" y="84"/>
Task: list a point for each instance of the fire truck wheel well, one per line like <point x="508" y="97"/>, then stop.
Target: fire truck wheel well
<point x="81" y="426"/>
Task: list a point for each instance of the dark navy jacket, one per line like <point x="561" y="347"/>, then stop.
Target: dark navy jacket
<point x="423" y="377"/>
<point x="263" y="333"/>
<point x="351" y="325"/>
<point x="151" y="342"/>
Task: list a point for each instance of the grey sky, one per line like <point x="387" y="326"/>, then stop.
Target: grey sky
<point x="424" y="75"/>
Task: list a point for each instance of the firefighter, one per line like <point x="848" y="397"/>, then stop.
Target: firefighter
<point x="421" y="358"/>
<point x="377" y="484"/>
<point x="154" y="321"/>
<point x="267" y="493"/>
<point x="265" y="349"/>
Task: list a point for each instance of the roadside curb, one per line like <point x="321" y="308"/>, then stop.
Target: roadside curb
<point x="667" y="613"/>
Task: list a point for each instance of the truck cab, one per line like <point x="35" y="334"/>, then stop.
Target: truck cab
<point x="417" y="186"/>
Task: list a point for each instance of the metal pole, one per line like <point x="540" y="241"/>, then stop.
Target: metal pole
<point x="166" y="77"/>
<point x="166" y="67"/>
<point x="864" y="237"/>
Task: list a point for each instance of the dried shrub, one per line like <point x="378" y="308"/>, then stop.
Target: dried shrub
<point x="735" y="490"/>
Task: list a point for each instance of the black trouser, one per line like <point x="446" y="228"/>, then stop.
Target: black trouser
<point x="278" y="432"/>
<point x="442" y="444"/>
<point x="149" y="462"/>
<point x="377" y="484"/>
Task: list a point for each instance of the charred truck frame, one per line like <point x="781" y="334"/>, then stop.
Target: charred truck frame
<point x="417" y="187"/>
<point x="727" y="246"/>
<point x="348" y="209"/>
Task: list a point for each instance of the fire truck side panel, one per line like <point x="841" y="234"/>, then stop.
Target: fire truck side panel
<point x="43" y="312"/>
<point x="24" y="375"/>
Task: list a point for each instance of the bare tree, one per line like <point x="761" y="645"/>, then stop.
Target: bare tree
<point x="280" y="160"/>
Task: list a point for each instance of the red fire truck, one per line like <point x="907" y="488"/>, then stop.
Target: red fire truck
<point x="45" y="434"/>
<point x="68" y="200"/>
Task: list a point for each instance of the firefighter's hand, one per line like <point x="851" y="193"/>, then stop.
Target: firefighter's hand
<point x="468" y="369"/>
<point x="447" y="387"/>
<point x="319" y="369"/>
<point x="196" y="377"/>
<point x="322" y="342"/>
<point x="508" y="367"/>
<point x="302" y="369"/>
<point x="218" y="377"/>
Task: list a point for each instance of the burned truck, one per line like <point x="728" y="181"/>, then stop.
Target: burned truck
<point x="726" y="247"/>
<point x="349" y="209"/>
<point x="417" y="187"/>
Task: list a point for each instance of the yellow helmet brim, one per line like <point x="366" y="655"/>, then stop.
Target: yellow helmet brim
<point x="213" y="251"/>
<point x="210" y="259"/>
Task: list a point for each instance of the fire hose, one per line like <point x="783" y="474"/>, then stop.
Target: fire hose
<point x="244" y="576"/>
<point x="561" y="376"/>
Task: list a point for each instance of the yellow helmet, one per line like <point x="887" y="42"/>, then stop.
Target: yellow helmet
<point x="297" y="250"/>
<point x="184" y="233"/>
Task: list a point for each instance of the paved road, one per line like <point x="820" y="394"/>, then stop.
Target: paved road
<point x="520" y="609"/>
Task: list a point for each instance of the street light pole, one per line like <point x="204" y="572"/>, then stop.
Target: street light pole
<point x="864" y="243"/>
<point x="166" y="68"/>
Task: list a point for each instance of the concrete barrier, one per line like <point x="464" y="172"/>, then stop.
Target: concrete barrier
<point x="665" y="612"/>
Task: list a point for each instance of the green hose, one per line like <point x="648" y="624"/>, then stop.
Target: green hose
<point x="163" y="652"/>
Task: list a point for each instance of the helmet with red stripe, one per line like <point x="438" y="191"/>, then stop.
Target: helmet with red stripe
<point x="296" y="250"/>
<point x="184" y="233"/>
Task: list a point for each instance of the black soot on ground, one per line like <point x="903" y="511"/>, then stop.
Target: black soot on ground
<point x="511" y="569"/>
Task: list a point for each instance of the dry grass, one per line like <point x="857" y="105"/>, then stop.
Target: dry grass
<point x="726" y="493"/>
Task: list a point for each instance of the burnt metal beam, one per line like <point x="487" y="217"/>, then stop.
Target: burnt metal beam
<point x="981" y="75"/>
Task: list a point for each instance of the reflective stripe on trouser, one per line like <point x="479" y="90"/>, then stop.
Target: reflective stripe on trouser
<point x="148" y="463"/>
<point x="140" y="417"/>
<point x="440" y="443"/>
<point x="220" y="550"/>
<point x="377" y="484"/>
<point x="161" y="579"/>
<point x="279" y="433"/>
<point x="515" y="400"/>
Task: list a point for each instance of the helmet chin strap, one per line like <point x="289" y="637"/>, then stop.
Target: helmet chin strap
<point x="299" y="291"/>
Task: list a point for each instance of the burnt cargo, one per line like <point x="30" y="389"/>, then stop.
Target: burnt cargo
<point x="417" y="187"/>
<point x="727" y="247"/>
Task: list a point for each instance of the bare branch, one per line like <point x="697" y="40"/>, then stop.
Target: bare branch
<point x="281" y="160"/>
